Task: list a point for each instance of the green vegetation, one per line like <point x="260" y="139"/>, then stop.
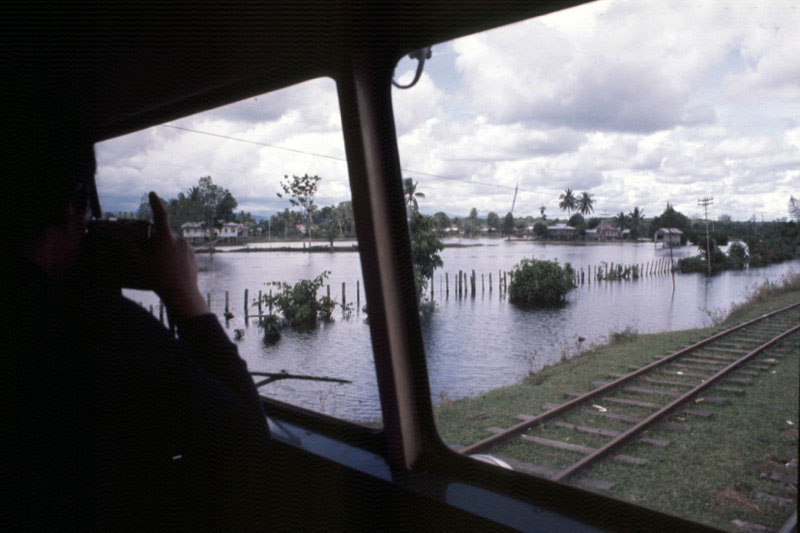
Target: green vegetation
<point x="773" y="242"/>
<point x="535" y="282"/>
<point x="508" y="225"/>
<point x="673" y="219"/>
<point x="567" y="201"/>
<point x="298" y="304"/>
<point x="301" y="191"/>
<point x="710" y="474"/>
<point x="425" y="245"/>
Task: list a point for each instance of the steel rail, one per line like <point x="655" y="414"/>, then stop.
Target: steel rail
<point x="523" y="426"/>
<point x="667" y="409"/>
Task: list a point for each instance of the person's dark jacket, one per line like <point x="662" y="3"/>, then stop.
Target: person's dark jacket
<point x="116" y="424"/>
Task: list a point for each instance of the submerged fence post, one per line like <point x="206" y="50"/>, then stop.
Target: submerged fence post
<point x="208" y="300"/>
<point x="259" y="306"/>
<point x="490" y="282"/>
<point x="483" y="285"/>
<point x="269" y="302"/>
<point x="432" y="276"/>
<point x="344" y="299"/>
<point x="246" y="295"/>
<point x="447" y="284"/>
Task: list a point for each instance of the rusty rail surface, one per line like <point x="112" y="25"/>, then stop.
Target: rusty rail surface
<point x="551" y="413"/>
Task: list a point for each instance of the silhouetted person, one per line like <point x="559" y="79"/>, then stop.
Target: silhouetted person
<point x="113" y="423"/>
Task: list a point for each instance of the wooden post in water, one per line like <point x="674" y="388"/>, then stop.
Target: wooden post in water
<point x="245" y="306"/>
<point x="151" y="310"/>
<point x="259" y="305"/>
<point x="582" y="276"/>
<point x="490" y="282"/>
<point x="432" y="287"/>
<point x="447" y="285"/>
<point x="208" y="300"/>
<point x="226" y="303"/>
<point x="269" y="302"/>
<point x="328" y="290"/>
<point x="473" y="283"/>
<point x="358" y="295"/>
<point x="483" y="285"/>
<point x="344" y="299"/>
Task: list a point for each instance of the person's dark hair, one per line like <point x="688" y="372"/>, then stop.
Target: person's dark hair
<point x="50" y="163"/>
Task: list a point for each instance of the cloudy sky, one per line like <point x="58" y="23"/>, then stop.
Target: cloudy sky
<point x="638" y="103"/>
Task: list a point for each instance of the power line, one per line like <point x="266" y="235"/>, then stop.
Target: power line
<point x="335" y="158"/>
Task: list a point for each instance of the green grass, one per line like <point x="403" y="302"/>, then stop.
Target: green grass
<point x="709" y="474"/>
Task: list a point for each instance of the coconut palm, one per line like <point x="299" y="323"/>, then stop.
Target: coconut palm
<point x="410" y="192"/>
<point x="621" y="220"/>
<point x="636" y="218"/>
<point x="585" y="203"/>
<point x="567" y="202"/>
<point x="541" y="211"/>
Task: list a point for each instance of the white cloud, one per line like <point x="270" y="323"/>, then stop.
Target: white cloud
<point x="637" y="103"/>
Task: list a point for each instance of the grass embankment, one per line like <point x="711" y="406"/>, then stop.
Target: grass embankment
<point x="710" y="474"/>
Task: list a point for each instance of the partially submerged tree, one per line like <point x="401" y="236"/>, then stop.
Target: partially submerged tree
<point x="473" y="221"/>
<point x="492" y="221"/>
<point x="302" y="190"/>
<point x="536" y="283"/>
<point x="508" y="225"/>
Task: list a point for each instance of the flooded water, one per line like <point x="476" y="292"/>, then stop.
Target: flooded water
<point x="472" y="344"/>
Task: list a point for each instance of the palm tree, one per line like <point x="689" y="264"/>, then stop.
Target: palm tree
<point x="637" y="218"/>
<point x="621" y="219"/>
<point x="541" y="211"/>
<point x="473" y="218"/>
<point x="585" y="204"/>
<point x="567" y="202"/>
<point x="411" y="194"/>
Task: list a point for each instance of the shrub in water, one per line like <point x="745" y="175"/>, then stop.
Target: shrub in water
<point x="535" y="282"/>
<point x="299" y="305"/>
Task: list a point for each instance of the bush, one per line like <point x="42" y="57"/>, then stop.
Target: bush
<point x="540" y="229"/>
<point x="737" y="256"/>
<point x="299" y="305"/>
<point x="535" y="282"/>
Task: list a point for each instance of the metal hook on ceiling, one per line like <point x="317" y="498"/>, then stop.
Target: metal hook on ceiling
<point x="420" y="55"/>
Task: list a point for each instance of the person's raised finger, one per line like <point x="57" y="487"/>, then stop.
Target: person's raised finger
<point x="160" y="217"/>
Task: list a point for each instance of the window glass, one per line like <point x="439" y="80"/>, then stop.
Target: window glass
<point x="222" y="174"/>
<point x="581" y="171"/>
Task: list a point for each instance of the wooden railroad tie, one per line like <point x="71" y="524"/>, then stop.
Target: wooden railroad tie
<point x="675" y="426"/>
<point x="567" y="446"/>
<point x="545" y="472"/>
<point x="660" y="443"/>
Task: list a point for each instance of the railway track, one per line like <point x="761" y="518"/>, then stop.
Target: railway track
<point x="625" y="407"/>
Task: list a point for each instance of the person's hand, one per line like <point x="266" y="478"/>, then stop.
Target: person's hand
<point x="174" y="267"/>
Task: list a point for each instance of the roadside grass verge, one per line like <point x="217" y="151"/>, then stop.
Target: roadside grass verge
<point x="709" y="474"/>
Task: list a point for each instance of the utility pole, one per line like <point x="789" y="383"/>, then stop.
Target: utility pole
<point x="704" y="203"/>
<point x="514" y="201"/>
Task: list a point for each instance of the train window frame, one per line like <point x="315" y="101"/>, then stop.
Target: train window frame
<point x="414" y="453"/>
<point x="416" y="459"/>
